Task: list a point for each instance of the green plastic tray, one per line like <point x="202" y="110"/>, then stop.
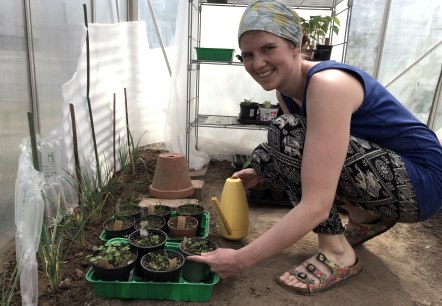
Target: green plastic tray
<point x="214" y="54"/>
<point x="138" y="288"/>
<point x="203" y="231"/>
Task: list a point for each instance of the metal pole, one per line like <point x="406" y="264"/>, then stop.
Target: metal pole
<point x="435" y="104"/>
<point x="149" y="4"/>
<point x="31" y="66"/>
<point x="414" y="63"/>
<point x="383" y="33"/>
<point x="118" y="10"/>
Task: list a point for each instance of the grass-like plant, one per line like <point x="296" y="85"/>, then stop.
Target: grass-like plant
<point x="50" y="251"/>
<point x="9" y="284"/>
<point x="129" y="158"/>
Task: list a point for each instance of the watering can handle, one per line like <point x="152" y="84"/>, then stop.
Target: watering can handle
<point x="221" y="214"/>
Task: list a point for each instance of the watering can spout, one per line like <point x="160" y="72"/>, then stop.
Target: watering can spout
<point x="233" y="212"/>
<point x="222" y="216"/>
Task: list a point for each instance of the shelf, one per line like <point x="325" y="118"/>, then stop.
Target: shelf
<point x="305" y="4"/>
<point x="217" y="63"/>
<point x="231" y="122"/>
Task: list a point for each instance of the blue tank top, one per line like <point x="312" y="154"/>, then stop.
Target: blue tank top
<point x="383" y="120"/>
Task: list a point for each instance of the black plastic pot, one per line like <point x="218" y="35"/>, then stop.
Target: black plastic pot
<point x="155" y="222"/>
<point x="114" y="274"/>
<point x="278" y="194"/>
<point x="165" y="275"/>
<point x="164" y="211"/>
<point x="123" y="232"/>
<point x="322" y="52"/>
<point x="142" y="250"/>
<point x="196" y="271"/>
<point x="134" y="211"/>
<point x="258" y="192"/>
<point x="248" y="111"/>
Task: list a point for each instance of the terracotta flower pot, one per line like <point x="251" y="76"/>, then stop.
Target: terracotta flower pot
<point x="188" y="231"/>
<point x="171" y="179"/>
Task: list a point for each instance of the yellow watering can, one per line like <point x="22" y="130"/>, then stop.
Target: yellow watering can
<point x="233" y="211"/>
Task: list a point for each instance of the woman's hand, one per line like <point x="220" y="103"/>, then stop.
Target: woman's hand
<point x="224" y="262"/>
<point x="248" y="176"/>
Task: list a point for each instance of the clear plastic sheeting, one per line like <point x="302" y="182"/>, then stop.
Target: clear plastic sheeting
<point x="116" y="64"/>
<point x="37" y="196"/>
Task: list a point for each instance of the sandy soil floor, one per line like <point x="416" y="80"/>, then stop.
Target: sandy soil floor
<point x="401" y="267"/>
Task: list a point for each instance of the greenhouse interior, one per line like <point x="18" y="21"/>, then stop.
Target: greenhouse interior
<point x="87" y="84"/>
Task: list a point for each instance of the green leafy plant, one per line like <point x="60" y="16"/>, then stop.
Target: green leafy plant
<point x="317" y="28"/>
<point x="267" y="104"/>
<point x="198" y="246"/>
<point x="151" y="239"/>
<point x="115" y="255"/>
<point x="247" y="102"/>
<point x="160" y="261"/>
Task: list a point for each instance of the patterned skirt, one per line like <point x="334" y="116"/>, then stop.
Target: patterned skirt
<point x="373" y="178"/>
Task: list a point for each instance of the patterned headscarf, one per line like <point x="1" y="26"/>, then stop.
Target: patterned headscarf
<point x="271" y="16"/>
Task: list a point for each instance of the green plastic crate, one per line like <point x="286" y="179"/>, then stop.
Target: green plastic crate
<point x="203" y="231"/>
<point x="214" y="54"/>
<point x="137" y="288"/>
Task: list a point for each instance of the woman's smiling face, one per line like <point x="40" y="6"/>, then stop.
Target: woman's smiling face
<point x="268" y="58"/>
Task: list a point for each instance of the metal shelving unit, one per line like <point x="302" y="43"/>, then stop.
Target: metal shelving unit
<point x="195" y="120"/>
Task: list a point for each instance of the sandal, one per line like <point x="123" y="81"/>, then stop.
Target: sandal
<point x="357" y="234"/>
<point x="338" y="275"/>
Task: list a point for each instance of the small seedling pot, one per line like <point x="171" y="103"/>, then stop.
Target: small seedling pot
<point x="127" y="228"/>
<point x="120" y="273"/>
<point x="143" y="249"/>
<point x="188" y="231"/>
<point x="155" y="222"/>
<point x="197" y="271"/>
<point x="129" y="209"/>
<point x="163" y="211"/>
<point x="258" y="192"/>
<point x="193" y="210"/>
<point x="162" y="273"/>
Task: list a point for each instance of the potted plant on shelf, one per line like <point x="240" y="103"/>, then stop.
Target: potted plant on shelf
<point x="162" y="265"/>
<point x="196" y="271"/>
<point x="267" y="111"/>
<point x="248" y="110"/>
<point x="113" y="261"/>
<point x="182" y="226"/>
<point x="318" y="28"/>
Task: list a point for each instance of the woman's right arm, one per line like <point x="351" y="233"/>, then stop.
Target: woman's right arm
<point x="248" y="177"/>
